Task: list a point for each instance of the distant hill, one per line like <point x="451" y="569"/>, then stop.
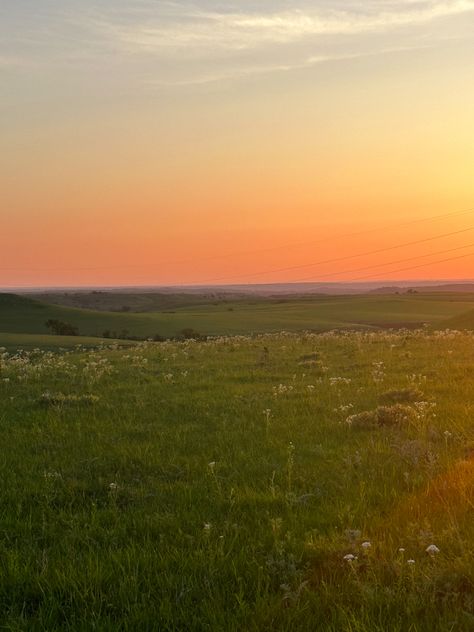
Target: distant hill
<point x="420" y="289"/>
<point x="241" y="315"/>
<point x="25" y="315"/>
<point x="138" y="302"/>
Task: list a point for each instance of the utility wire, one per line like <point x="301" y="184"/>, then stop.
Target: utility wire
<point x="240" y="254"/>
<point x="344" y="258"/>
<point x="422" y="265"/>
<point x="380" y="265"/>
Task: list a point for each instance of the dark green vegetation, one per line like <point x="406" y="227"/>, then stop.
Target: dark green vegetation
<point x="221" y="485"/>
<point x="135" y="301"/>
<point x="234" y="315"/>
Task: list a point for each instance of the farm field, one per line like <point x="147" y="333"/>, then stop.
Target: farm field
<point x="319" y="313"/>
<point x="280" y="482"/>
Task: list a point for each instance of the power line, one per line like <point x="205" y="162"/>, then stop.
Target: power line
<point x="324" y="240"/>
<point x="251" y="252"/>
<point x="422" y="265"/>
<point x="380" y="265"/>
<point x="344" y="258"/>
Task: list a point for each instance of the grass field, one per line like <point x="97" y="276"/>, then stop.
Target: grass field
<point x="235" y="485"/>
<point x="28" y="342"/>
<point x="319" y="313"/>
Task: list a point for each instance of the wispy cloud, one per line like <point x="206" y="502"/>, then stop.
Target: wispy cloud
<point x="161" y="42"/>
<point x="249" y="71"/>
<point x="204" y="32"/>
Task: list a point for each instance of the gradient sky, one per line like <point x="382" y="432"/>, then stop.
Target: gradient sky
<point x="153" y="142"/>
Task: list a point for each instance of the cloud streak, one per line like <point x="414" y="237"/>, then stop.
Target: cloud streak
<point x="202" y="32"/>
<point x="177" y="43"/>
<point x="243" y="72"/>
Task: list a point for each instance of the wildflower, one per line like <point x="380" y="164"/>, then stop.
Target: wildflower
<point x="401" y="550"/>
<point x="211" y="465"/>
<point x="349" y="557"/>
<point x="366" y="545"/>
<point x="410" y="562"/>
<point x="432" y="549"/>
<point x="113" y="486"/>
<point x="207" y="526"/>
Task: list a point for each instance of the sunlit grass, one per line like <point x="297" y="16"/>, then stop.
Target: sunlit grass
<point x="224" y="485"/>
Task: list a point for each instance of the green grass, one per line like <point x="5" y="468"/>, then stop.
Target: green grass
<point x="461" y="321"/>
<point x="136" y="301"/>
<point x="24" y="315"/>
<point x="12" y="342"/>
<point x="218" y="486"/>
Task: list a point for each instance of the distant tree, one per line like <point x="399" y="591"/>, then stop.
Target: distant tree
<point x="158" y="338"/>
<point x="106" y="333"/>
<point x="59" y="328"/>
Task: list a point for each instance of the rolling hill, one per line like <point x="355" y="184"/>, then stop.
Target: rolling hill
<point x="24" y="315"/>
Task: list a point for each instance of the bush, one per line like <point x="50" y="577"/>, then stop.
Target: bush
<point x="59" y="328"/>
<point x="396" y="415"/>
<point x="365" y="419"/>
<point x="402" y="395"/>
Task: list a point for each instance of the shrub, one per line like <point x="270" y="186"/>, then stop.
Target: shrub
<point x="365" y="419"/>
<point x="59" y="328"/>
<point x="396" y="415"/>
<point x="402" y="395"/>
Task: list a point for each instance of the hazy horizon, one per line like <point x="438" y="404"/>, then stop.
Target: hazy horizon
<point x="251" y="287"/>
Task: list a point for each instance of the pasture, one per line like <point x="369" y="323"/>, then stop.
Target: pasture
<point x="280" y="482"/>
<point x="240" y="316"/>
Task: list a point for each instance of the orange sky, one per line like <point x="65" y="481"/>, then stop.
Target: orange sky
<point x="112" y="173"/>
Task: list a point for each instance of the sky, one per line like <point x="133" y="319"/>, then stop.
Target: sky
<point x="150" y="142"/>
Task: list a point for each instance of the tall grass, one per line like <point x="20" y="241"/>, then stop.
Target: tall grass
<point x="283" y="482"/>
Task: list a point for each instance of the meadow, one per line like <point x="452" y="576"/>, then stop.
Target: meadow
<point x="232" y="315"/>
<point x="290" y="481"/>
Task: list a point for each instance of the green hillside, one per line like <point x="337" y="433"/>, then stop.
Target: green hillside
<point x="319" y="313"/>
<point x="461" y="321"/>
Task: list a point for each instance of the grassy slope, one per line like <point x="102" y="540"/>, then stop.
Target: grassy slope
<point x="11" y="342"/>
<point x="22" y="315"/>
<point x="174" y="502"/>
<point x="132" y="301"/>
<point x="461" y="321"/>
